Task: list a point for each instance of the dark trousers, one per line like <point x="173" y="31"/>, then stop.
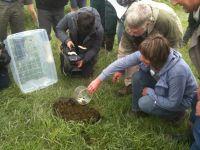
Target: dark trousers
<point x="4" y="79"/>
<point x="99" y="5"/>
<point x="48" y="19"/>
<point x="110" y="20"/>
<point x="13" y="14"/>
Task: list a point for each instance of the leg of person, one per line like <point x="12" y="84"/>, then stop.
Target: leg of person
<point x="17" y="17"/>
<point x="4" y="19"/>
<point x="4" y="79"/>
<point x="187" y="35"/>
<point x="81" y="3"/>
<point x="196" y="134"/>
<point x="126" y="90"/>
<point x="74" y="5"/>
<point x="120" y="30"/>
<point x="140" y="80"/>
<point x="99" y="5"/>
<point x="147" y="105"/>
<point x="57" y="16"/>
<point x="110" y="26"/>
<point x="45" y="21"/>
<point x="194" y="124"/>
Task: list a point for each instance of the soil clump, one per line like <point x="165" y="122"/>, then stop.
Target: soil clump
<point x="68" y="109"/>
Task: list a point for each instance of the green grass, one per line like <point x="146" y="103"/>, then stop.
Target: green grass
<point x="27" y="120"/>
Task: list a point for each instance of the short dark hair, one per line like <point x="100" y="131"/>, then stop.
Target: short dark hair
<point x="156" y="49"/>
<point x="85" y="21"/>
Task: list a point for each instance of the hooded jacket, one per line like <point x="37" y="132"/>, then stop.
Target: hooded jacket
<point x="176" y="84"/>
<point x="92" y="41"/>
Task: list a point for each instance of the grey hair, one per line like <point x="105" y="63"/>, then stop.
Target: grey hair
<point x="138" y="14"/>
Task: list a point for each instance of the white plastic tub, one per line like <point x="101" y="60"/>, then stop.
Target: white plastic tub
<point x="32" y="62"/>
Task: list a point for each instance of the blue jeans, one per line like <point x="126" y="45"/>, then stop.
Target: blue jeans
<point x="196" y="127"/>
<point x="146" y="104"/>
<point x="196" y="134"/>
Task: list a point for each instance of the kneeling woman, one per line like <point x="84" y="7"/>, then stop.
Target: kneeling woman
<point x="163" y="86"/>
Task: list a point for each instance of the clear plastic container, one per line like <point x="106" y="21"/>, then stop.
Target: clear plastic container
<point x="81" y="95"/>
<point x="32" y="62"/>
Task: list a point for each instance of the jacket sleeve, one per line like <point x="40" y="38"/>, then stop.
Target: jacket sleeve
<point x="121" y="64"/>
<point x="169" y="96"/>
<point x="62" y="27"/>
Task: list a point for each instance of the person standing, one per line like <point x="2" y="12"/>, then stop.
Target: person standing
<point x="50" y="12"/>
<point x="12" y="12"/>
<point x="193" y="6"/>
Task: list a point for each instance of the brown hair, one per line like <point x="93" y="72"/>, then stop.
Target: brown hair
<point x="156" y="49"/>
<point x="85" y="22"/>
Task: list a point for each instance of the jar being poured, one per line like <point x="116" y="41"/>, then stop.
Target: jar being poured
<point x="81" y="95"/>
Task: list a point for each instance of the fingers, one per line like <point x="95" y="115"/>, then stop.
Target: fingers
<point x="70" y="44"/>
<point x="91" y="89"/>
<point x="93" y="86"/>
<point x="116" y="76"/>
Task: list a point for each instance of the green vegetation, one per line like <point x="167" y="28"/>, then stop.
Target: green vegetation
<point x="27" y="121"/>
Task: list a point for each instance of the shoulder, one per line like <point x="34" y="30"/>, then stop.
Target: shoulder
<point x="181" y="68"/>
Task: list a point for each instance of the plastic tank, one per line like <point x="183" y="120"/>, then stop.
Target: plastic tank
<point x="32" y="62"/>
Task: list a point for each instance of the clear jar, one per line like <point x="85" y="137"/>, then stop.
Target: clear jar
<point x="81" y="95"/>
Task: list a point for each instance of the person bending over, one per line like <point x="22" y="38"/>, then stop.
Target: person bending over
<point x="81" y="34"/>
<point x="164" y="85"/>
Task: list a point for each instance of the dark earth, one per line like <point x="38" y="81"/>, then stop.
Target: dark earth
<point x="68" y="109"/>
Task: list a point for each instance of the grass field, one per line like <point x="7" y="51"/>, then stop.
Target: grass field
<point x="27" y="121"/>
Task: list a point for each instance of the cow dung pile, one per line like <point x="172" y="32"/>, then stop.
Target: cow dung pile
<point x="68" y="109"/>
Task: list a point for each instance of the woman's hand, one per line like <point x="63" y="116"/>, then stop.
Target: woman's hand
<point x="93" y="86"/>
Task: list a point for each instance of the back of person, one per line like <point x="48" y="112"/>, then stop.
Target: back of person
<point x="50" y="4"/>
<point x="163" y="15"/>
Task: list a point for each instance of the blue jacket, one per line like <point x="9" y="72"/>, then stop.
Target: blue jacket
<point x="176" y="84"/>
